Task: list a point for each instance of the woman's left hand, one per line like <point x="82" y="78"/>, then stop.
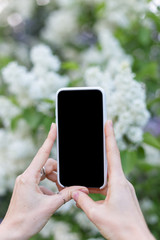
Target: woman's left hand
<point x="32" y="205"/>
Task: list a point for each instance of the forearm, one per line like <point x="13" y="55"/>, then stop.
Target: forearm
<point x="137" y="236"/>
<point x="126" y="231"/>
<point x="11" y="232"/>
<point x="136" y="233"/>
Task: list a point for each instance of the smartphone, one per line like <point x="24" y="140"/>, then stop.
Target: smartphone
<point x="81" y="155"/>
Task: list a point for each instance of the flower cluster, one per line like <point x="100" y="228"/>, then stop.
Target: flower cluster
<point x="8" y="111"/>
<point x="112" y="66"/>
<point x="60" y="230"/>
<point x="16" y="151"/>
<point x="41" y="82"/>
<point x="61" y="27"/>
<point x="125" y="102"/>
<point x="114" y="13"/>
<point x="13" y="12"/>
<point x="25" y="88"/>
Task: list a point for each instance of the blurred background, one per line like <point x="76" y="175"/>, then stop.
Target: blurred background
<point x="48" y="44"/>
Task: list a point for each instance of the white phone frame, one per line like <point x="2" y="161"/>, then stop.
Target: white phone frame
<point x="104" y="120"/>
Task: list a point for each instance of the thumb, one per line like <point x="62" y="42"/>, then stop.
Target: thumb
<point x="85" y="203"/>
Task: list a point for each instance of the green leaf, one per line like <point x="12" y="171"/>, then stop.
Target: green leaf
<point x="75" y="83"/>
<point x="97" y="197"/>
<point x="140" y="153"/>
<point x="148" y="70"/>
<point x="40" y="237"/>
<point x="47" y="100"/>
<point x="129" y="160"/>
<point x="69" y="66"/>
<point x="14" y="121"/>
<point x="152" y="102"/>
<point x="144" y="36"/>
<point x="4" y="61"/>
<point x="100" y="9"/>
<point x="151" y="140"/>
<point x="146" y="167"/>
<point x="32" y="117"/>
<point x="47" y="122"/>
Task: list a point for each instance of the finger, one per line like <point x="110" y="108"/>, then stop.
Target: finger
<point x="52" y="176"/>
<point x="113" y="156"/>
<point x="100" y="202"/>
<point x="84" y="202"/>
<point x="50" y="166"/>
<point x="44" y="152"/>
<point x="46" y="191"/>
<point x="67" y="192"/>
<point x="64" y="196"/>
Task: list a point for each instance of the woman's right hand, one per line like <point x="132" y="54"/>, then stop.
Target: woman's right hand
<point x="119" y="216"/>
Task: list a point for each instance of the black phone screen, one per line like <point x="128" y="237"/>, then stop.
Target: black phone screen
<point x="80" y="137"/>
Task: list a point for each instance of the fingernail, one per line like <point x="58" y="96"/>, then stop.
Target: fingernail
<point x="75" y="196"/>
<point x="52" y="126"/>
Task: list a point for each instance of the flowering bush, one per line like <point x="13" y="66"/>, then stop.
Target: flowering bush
<point x="57" y="43"/>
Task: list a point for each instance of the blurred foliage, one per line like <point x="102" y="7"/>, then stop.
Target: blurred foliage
<point x="142" y="41"/>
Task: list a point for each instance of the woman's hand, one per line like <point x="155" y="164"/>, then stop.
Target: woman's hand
<point x="119" y="216"/>
<point x="32" y="205"/>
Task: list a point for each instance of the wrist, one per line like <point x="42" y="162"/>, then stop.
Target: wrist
<point x="133" y="233"/>
<point x="11" y="231"/>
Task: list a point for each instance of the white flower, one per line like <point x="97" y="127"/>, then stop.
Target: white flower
<point x="93" y="76"/>
<point x="135" y="134"/>
<point x="62" y="230"/>
<point x="8" y="111"/>
<point x="152" y="155"/>
<point x="47" y="86"/>
<point x="19" y="51"/>
<point x="47" y="231"/>
<point x="146" y="204"/>
<point x="120" y="129"/>
<point x="60" y="27"/>
<point x="121" y="144"/>
<point x="42" y="81"/>
<point x="110" y="45"/>
<point x="23" y="9"/>
<point x="44" y="107"/>
<point x="15" y="74"/>
<point x="18" y="149"/>
<point x="19" y="81"/>
<point x="42" y="56"/>
<point x="122" y="12"/>
<point x="85" y="223"/>
<point x="153" y="219"/>
<point x="67" y="207"/>
<point x="49" y="185"/>
<point x="92" y="56"/>
<point x="125" y="101"/>
<point x="111" y="52"/>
